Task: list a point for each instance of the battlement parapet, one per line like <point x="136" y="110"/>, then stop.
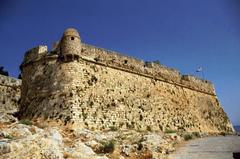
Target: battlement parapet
<point x="109" y="58"/>
<point x="35" y="53"/>
<point x="119" y="60"/>
<point x="152" y="69"/>
<point x="197" y="83"/>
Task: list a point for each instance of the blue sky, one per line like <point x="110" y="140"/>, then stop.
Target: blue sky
<point x="180" y="34"/>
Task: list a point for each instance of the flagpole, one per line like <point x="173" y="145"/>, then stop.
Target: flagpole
<point x="200" y="70"/>
<point x="203" y="75"/>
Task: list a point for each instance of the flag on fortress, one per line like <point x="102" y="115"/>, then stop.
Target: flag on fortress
<point x="199" y="69"/>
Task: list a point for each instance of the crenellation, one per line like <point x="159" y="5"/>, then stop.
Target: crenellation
<point x="113" y="59"/>
<point x="35" y="53"/>
<point x="157" y="71"/>
<point x="198" y="84"/>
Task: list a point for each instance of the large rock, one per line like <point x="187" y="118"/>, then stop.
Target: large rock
<point x="83" y="149"/>
<point x="4" y="148"/>
<point x="7" y="118"/>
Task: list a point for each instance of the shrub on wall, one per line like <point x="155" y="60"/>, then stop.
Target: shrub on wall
<point x="168" y="131"/>
<point x="187" y="137"/>
<point x="25" y="122"/>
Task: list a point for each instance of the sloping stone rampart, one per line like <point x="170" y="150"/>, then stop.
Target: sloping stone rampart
<point x="91" y="87"/>
<point x="98" y="92"/>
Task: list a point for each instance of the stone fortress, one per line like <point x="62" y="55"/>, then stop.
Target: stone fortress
<point x="85" y="86"/>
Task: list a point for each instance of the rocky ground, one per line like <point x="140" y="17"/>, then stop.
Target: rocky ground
<point x="25" y="139"/>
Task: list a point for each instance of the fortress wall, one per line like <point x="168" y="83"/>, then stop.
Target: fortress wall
<point x="198" y="84"/>
<point x="157" y="71"/>
<point x="116" y="98"/>
<point x="47" y="89"/>
<point x="9" y="94"/>
<point x="92" y="95"/>
<point x="118" y="61"/>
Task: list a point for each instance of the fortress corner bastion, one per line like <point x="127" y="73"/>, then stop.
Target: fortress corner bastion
<point x="86" y="86"/>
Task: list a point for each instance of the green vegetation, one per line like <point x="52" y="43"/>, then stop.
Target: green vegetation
<point x="222" y="133"/>
<point x="113" y="128"/>
<point x="139" y="144"/>
<point x="157" y="62"/>
<point x="149" y="128"/>
<point x="129" y="125"/>
<point x="196" y="134"/>
<point x="25" y="122"/>
<point x="8" y="136"/>
<point x="84" y="115"/>
<point x="108" y="146"/>
<point x="187" y="137"/>
<point x="169" y="131"/>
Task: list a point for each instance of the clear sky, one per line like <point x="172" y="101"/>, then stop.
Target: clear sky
<point x="182" y="34"/>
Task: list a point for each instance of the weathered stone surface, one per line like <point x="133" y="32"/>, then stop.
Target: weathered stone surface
<point x="83" y="149"/>
<point x="4" y="148"/>
<point x="104" y="90"/>
<point x="9" y="96"/>
<point x="87" y="102"/>
<point x="28" y="141"/>
<point x="126" y="149"/>
<point x="7" y="118"/>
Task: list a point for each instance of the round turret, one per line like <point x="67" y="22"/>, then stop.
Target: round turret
<point x="70" y="45"/>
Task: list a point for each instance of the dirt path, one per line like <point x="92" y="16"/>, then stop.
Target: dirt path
<point x="209" y="148"/>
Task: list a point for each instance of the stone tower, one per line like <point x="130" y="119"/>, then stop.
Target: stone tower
<point x="52" y="82"/>
<point x="70" y="45"/>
